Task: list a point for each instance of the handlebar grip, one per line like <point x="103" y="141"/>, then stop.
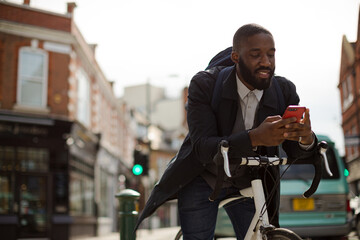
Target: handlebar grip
<point x="316" y="180"/>
<point x="321" y="147"/>
<point x="224" y="143"/>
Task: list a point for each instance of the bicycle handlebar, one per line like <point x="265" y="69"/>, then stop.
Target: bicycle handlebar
<point x="321" y="148"/>
<point x="272" y="161"/>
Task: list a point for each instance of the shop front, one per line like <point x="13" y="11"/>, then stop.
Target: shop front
<point x="33" y="177"/>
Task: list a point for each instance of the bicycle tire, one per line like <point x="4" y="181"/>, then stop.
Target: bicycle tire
<point x="282" y="234"/>
<point x="178" y="235"/>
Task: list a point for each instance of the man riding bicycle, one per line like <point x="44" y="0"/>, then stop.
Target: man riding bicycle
<point x="248" y="116"/>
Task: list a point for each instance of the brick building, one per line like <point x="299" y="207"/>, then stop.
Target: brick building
<point x="349" y="85"/>
<point x="64" y="138"/>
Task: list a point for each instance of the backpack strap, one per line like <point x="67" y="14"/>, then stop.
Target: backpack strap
<point x="215" y="100"/>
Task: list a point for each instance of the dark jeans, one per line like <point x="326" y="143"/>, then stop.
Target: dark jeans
<point x="198" y="214"/>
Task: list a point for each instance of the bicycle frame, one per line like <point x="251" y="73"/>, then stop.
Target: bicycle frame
<point x="261" y="217"/>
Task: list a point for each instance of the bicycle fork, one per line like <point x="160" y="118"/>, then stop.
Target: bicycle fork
<point x="261" y="218"/>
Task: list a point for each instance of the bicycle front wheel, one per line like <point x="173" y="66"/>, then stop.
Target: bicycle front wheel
<point x="282" y="234"/>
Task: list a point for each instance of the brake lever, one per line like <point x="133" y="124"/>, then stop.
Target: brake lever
<point x="224" y="146"/>
<point x="323" y="147"/>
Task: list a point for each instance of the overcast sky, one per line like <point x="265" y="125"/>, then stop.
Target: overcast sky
<point x="166" y="42"/>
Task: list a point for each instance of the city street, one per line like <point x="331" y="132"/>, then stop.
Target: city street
<point x="141" y="234"/>
<point x="165" y="234"/>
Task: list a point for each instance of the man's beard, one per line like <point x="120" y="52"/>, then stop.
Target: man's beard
<point x="250" y="78"/>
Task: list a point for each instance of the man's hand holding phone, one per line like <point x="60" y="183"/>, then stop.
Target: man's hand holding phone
<point x="293" y="125"/>
<point x="300" y="129"/>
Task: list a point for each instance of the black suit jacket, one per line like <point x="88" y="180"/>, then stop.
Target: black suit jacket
<point x="207" y="128"/>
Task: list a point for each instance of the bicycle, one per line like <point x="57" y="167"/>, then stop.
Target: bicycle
<point x="260" y="227"/>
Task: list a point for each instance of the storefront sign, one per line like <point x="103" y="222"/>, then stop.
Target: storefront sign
<point x="19" y="129"/>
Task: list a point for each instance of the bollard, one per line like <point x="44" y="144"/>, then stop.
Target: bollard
<point x="128" y="212"/>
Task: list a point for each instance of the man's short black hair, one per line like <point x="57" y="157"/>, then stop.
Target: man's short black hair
<point x="246" y="31"/>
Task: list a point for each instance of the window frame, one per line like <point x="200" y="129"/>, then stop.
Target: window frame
<point x="83" y="108"/>
<point x="43" y="80"/>
<point x="347" y="92"/>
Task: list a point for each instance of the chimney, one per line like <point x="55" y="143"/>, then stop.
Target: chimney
<point x="93" y="47"/>
<point x="111" y="84"/>
<point x="70" y="7"/>
<point x="27" y="2"/>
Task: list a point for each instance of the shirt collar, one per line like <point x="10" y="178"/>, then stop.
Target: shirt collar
<point x="243" y="90"/>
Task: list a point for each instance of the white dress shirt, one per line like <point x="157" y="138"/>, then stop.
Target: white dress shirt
<point x="249" y="102"/>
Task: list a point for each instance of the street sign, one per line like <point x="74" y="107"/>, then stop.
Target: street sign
<point x="352" y="140"/>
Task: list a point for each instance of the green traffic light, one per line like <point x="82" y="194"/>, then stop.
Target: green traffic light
<point x="346" y="172"/>
<point x="137" y="169"/>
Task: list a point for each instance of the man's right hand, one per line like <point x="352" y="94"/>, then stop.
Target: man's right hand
<point x="270" y="132"/>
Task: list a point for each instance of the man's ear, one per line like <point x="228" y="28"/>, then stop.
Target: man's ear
<point x="235" y="57"/>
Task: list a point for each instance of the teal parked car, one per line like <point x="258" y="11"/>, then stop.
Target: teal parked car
<point x="326" y="214"/>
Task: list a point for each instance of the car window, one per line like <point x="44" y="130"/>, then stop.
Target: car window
<point x="306" y="171"/>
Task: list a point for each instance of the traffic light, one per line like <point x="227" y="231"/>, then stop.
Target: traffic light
<point x="137" y="169"/>
<point x="141" y="164"/>
<point x="346" y="170"/>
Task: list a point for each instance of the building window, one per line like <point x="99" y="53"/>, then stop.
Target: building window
<point x="7" y="159"/>
<point x="24" y="159"/>
<point x="18" y="159"/>
<point x="348" y="148"/>
<point x="6" y="194"/>
<point x="83" y="101"/>
<point x="33" y="159"/>
<point x="104" y="194"/>
<point x="81" y="196"/>
<point x="32" y="78"/>
<point x="347" y="93"/>
<point x="355" y="149"/>
<point x="81" y="188"/>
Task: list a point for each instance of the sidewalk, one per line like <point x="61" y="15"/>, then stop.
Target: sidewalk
<point x="157" y="234"/>
<point x="163" y="234"/>
<point x="141" y="234"/>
